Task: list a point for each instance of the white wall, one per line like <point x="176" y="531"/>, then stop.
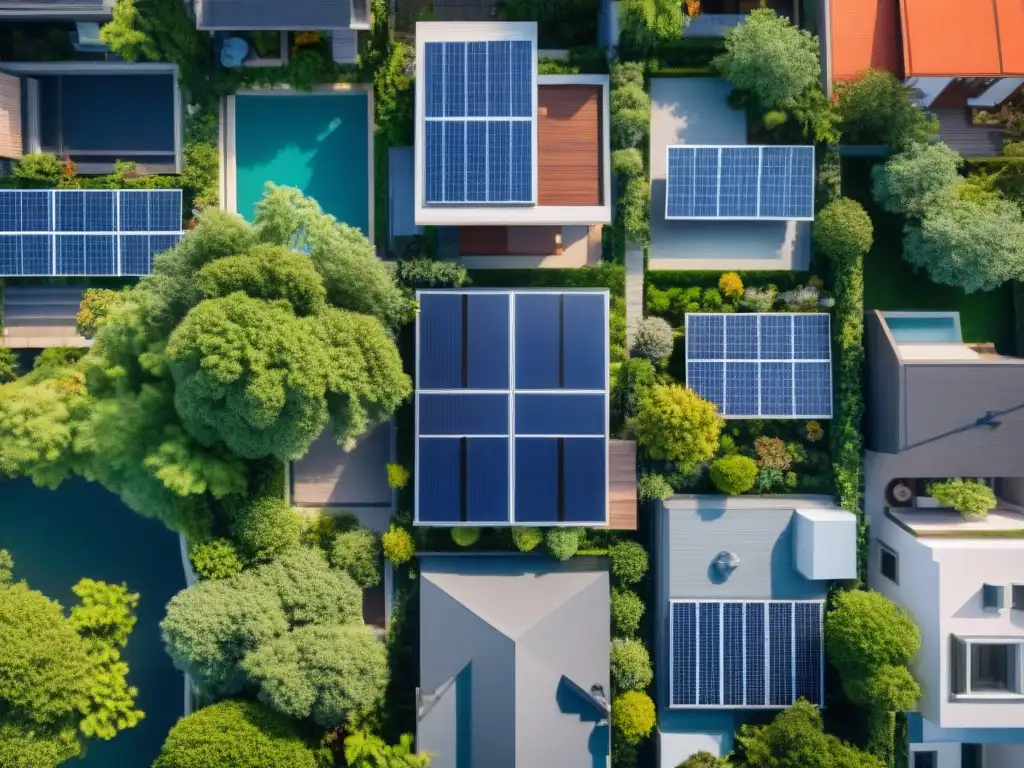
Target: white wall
<point x="1003" y="755"/>
<point x="948" y="754"/>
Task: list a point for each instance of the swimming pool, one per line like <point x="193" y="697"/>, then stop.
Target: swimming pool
<point x="58" y="537"/>
<point x="924" y="327"/>
<point x="320" y="142"/>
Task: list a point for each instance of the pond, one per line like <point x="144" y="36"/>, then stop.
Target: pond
<point x="58" y="537"/>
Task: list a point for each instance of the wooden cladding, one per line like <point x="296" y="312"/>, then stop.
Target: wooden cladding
<point x="507" y="241"/>
<point x="10" y="117"/>
<point x="569" y="145"/>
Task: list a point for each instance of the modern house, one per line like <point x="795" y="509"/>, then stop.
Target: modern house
<point x="514" y="669"/>
<point x="739" y="590"/>
<point x="239" y="15"/>
<point x="959" y="58"/>
<point x="508" y="163"/>
<point x="938" y="409"/>
<point x="512" y="411"/>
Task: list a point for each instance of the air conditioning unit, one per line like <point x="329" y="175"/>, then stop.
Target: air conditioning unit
<point x="902" y="493"/>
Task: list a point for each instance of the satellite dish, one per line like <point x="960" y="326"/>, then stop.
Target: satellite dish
<point x="726" y="562"/>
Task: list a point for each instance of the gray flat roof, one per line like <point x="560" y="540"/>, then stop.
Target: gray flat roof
<point x="273" y="14"/>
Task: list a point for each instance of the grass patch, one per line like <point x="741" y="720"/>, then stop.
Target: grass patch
<point x="891" y="283"/>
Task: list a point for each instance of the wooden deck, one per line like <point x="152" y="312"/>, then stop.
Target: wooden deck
<point x="622" y="501"/>
<point x="969" y="140"/>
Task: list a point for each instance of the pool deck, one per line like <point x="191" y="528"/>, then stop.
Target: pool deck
<point x="228" y="168"/>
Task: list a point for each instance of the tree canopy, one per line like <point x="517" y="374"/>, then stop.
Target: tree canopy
<point x="770" y="58"/>
<point x="674" y="423"/>
<point x="652" y="21"/>
<point x="917" y="180"/>
<point x="239" y="348"/>
<point x="876" y="108"/>
<point x="843" y="231"/>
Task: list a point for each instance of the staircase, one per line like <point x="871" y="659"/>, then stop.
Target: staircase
<point x="37" y="317"/>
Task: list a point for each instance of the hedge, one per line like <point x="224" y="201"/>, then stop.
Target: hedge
<point x="665" y="279"/>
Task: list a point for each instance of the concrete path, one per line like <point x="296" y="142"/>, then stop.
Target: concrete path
<point x="634" y="289"/>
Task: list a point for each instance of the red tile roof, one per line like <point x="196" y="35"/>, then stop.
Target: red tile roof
<point x="865" y="34"/>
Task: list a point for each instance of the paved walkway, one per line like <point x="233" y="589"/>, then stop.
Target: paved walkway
<point x="634" y="289"/>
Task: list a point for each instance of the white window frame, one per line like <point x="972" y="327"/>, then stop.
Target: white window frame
<point x="986" y="695"/>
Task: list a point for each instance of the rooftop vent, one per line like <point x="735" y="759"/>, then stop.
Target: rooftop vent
<point x="726" y="562"/>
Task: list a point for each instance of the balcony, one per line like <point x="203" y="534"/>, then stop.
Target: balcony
<point x="909" y="506"/>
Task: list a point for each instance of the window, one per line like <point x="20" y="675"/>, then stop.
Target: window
<point x="970" y="756"/>
<point x="985" y="668"/>
<point x="993" y="597"/>
<point x="1017" y="595"/>
<point x="889" y="563"/>
<point x="926" y="759"/>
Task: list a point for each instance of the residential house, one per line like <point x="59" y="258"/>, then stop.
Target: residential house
<point x="739" y="590"/>
<point x="57" y="10"/>
<point x="938" y="409"/>
<point x="514" y="669"/>
<point x="511" y="166"/>
<point x="960" y="58"/>
<point x="237" y="15"/>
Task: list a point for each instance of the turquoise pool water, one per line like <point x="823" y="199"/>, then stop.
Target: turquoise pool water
<point x="934" y="328"/>
<point x="316" y="142"/>
<point x="56" y="538"/>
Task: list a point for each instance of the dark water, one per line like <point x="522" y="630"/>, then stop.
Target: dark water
<point x="58" y="537"/>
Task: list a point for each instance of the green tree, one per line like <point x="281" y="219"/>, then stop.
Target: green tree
<point x="96" y="306"/>
<point x="6" y="568"/>
<point x="215" y="559"/>
<point x="365" y="750"/>
<point x="8" y="365"/>
<point x="267" y="272"/>
<point x="628" y="382"/>
<point x="242" y="734"/>
<point x="465" y="536"/>
<point x="398" y="545"/>
<point x="971" y="245"/>
<point x="627" y="73"/>
<point x="675" y="424"/>
<point x="796" y="739"/>
<point x="968" y="497"/>
<point x="636" y="206"/>
<point x="653" y="486"/>
<point x="633" y="716"/>
<point x="704" y="760"/>
<point x="770" y="58"/>
<point x="562" y="543"/>
<point x="527" y="538"/>
<point x="876" y="108"/>
<point x="330" y="673"/>
<point x="920" y="179"/>
<point x="843" y="231"/>
<point x="357" y="553"/>
<point x="626" y="611"/>
<point x="653" y="339"/>
<point x="630" y="665"/>
<point x="628" y="163"/>
<point x="652" y="21"/>
<point x="265" y="528"/>
<point x="38" y="170"/>
<point x="629" y="562"/>
<point x="733" y="474"/>
<point x="310" y="591"/>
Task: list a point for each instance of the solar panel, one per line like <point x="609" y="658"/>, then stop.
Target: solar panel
<point x="70" y="232"/>
<point x="523" y="369"/>
<point x="740" y="182"/>
<point x="722" y="655"/>
<point x="755" y="365"/>
<point x="479" y="121"/>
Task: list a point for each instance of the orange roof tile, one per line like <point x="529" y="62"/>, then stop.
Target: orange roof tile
<point x="865" y="34"/>
<point x="953" y="38"/>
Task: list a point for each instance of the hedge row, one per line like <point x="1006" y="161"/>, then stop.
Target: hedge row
<point x="782" y="280"/>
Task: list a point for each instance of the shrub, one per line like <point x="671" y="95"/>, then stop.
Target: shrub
<point x="814" y="431"/>
<point x="733" y="474"/>
<point x="629" y="128"/>
<point x="673" y="423"/>
<point x="653" y="486"/>
<point x="843" y="230"/>
<point x="769" y="480"/>
<point x="771" y="452"/>
<point x="968" y="497"/>
<point x="320" y="530"/>
<point x="465" y="536"/>
<point x="398" y="476"/>
<point x="633" y="716"/>
<point x="628" y="561"/>
<point x="703" y="760"/>
<point x="94" y="309"/>
<point x="397" y="545"/>
<point x="711" y="300"/>
<point x="215" y="559"/>
<point x="797" y="453"/>
<point x="357" y="553"/>
<point x="759" y="299"/>
<point x="635" y="208"/>
<point x="562" y="543"/>
<point x="627" y="609"/>
<point x="727" y="446"/>
<point x="921" y="178"/>
<point x="628" y="163"/>
<point x="628" y="383"/>
<point x="631" y="665"/>
<point x="527" y="538"/>
<point x="876" y="108"/>
<point x="730" y="285"/>
<point x="428" y="273"/>
<point x="265" y="528"/>
<point x="242" y="734"/>
<point x="8" y="365"/>
<point x="627" y="73"/>
<point x="653" y="339"/>
<point x="38" y="171"/>
<point x="628" y="97"/>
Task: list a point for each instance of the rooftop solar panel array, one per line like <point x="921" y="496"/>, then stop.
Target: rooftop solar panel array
<point x="86" y="232"/>
<point x="770" y="365"/>
<point x="740" y="183"/>
<point x="512" y="408"/>
<point x="478" y="122"/>
<point x="746" y="654"/>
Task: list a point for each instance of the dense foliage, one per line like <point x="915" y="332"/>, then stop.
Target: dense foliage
<point x="674" y="423"/>
<point x="215" y="559"/>
<point x="629" y="380"/>
<point x="242" y="734"/>
<point x="843" y="230"/>
<point x="770" y="58"/>
<point x="397" y="545"/>
<point x="733" y="474"/>
<point x="186" y="392"/>
<point x="633" y="715"/>
<point x="562" y="543"/>
<point x="652" y="21"/>
<point x="626" y="611"/>
<point x="364" y="750"/>
<point x="465" y="536"/>
<point x="968" y="497"/>
<point x="653" y="339"/>
<point x="628" y="561"/>
<point x="527" y="538"/>
<point x="797" y="739"/>
<point x="653" y="486"/>
<point x="357" y="553"/>
<point x="921" y="178"/>
<point x="630" y="665"/>
<point x="876" y="108"/>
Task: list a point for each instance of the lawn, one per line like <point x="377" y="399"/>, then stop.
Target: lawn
<point x="892" y="283"/>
